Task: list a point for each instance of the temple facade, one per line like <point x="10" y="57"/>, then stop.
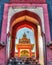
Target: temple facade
<point x="26" y="32"/>
<point x="24" y="47"/>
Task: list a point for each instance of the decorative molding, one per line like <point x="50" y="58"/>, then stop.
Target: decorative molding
<point x="2" y="44"/>
<point x="49" y="45"/>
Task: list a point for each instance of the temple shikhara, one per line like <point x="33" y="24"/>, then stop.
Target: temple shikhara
<point x="25" y="35"/>
<point x="24" y="47"/>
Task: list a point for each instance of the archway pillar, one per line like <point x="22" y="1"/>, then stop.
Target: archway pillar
<point x="8" y="46"/>
<point x="40" y="43"/>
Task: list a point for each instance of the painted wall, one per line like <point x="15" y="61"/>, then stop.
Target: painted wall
<point x="27" y="1"/>
<point x="1" y="11"/>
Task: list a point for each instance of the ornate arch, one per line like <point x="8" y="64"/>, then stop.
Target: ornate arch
<point x="25" y="13"/>
<point x="22" y="18"/>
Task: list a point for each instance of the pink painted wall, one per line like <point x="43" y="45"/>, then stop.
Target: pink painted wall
<point x="46" y="23"/>
<point x="2" y="56"/>
<point x="27" y="1"/>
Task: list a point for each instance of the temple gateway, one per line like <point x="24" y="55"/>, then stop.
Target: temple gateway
<point x="25" y="36"/>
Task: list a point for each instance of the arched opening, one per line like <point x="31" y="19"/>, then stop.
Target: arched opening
<point x="14" y="30"/>
<point x="26" y="43"/>
<point x="25" y="13"/>
<point x="31" y="21"/>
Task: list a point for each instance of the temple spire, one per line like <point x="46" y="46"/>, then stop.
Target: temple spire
<point x="24" y="35"/>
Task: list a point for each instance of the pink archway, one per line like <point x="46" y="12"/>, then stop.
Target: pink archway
<point x="21" y="24"/>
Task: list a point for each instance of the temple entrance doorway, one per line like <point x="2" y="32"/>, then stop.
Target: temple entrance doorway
<point x="26" y="36"/>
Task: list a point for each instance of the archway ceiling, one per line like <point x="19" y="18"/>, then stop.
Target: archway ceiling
<point x="25" y="25"/>
<point x="25" y="15"/>
<point x="28" y="18"/>
<point x="22" y="24"/>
